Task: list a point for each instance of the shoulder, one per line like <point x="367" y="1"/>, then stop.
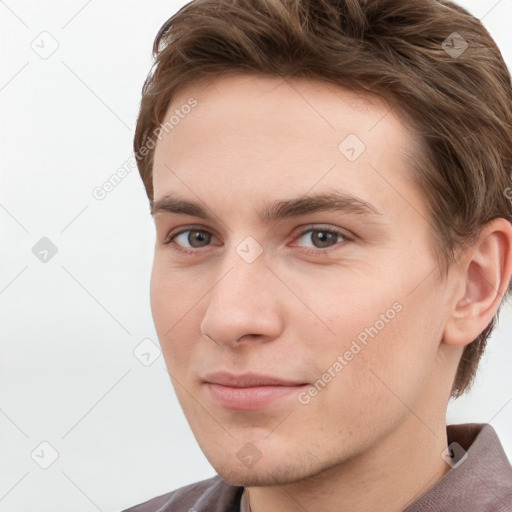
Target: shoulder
<point x="212" y="494"/>
<point x="480" y="478"/>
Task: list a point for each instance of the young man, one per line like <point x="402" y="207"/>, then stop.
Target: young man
<point x="330" y="185"/>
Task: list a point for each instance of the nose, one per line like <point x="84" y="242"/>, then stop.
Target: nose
<point x="244" y="304"/>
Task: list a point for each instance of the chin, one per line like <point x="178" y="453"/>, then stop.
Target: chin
<point x="255" y="478"/>
<point x="265" y="474"/>
<point x="246" y="478"/>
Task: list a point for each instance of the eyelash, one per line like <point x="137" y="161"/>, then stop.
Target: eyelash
<point x="175" y="247"/>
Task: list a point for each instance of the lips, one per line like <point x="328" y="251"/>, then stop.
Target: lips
<point x="247" y="380"/>
<point x="249" y="391"/>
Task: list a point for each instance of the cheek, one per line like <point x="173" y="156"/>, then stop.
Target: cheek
<point x="173" y="294"/>
<point x="161" y="299"/>
<point x="360" y="388"/>
<point x="382" y="338"/>
<point x="353" y="310"/>
<point x="174" y="308"/>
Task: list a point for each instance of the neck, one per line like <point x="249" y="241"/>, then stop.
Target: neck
<point x="387" y="477"/>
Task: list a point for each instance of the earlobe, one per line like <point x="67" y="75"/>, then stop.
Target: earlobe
<point x="486" y="270"/>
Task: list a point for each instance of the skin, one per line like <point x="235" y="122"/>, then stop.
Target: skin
<point x="374" y="435"/>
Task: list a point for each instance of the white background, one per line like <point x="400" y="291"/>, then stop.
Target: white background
<point x="69" y="326"/>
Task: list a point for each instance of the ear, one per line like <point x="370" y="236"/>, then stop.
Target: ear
<point x="485" y="268"/>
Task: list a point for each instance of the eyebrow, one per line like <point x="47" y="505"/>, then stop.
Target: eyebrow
<point x="281" y="209"/>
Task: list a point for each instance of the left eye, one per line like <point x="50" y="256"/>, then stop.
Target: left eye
<point x="321" y="238"/>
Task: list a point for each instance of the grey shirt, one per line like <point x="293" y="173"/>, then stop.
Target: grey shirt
<point x="481" y="483"/>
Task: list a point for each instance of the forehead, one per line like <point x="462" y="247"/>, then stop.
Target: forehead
<point x="257" y="135"/>
<point x="267" y="100"/>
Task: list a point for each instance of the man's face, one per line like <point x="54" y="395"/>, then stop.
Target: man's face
<point x="340" y="306"/>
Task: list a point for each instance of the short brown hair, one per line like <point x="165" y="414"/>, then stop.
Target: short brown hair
<point x="412" y="54"/>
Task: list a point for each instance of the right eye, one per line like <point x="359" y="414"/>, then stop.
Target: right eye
<point x="189" y="240"/>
